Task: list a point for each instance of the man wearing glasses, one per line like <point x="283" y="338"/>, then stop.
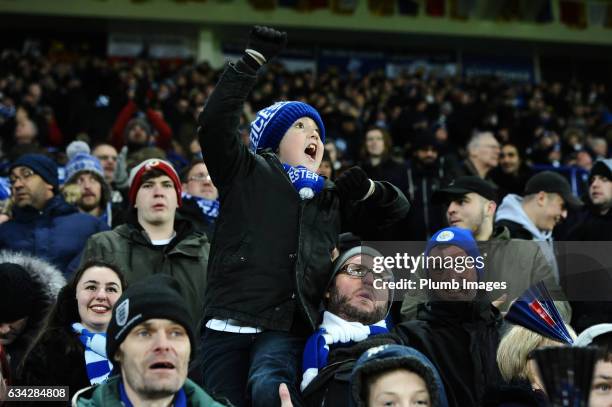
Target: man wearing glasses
<point x="200" y="197"/>
<point x="353" y="322"/>
<point x="115" y="173"/>
<point x="43" y="224"/>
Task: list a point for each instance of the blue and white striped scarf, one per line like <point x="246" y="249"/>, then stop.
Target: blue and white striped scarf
<point x="210" y="208"/>
<point x="98" y="366"/>
<point x="333" y="330"/>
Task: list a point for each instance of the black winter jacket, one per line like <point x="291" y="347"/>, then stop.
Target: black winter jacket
<point x="57" y="359"/>
<point x="270" y="259"/>
<point x="461" y="339"/>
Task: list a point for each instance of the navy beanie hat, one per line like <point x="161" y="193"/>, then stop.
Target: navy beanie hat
<point x="41" y="165"/>
<point x="388" y="358"/>
<point x="156" y="296"/>
<point x="271" y="123"/>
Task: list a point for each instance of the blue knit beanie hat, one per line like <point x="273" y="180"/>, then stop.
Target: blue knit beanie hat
<point x="41" y="165"/>
<point x="271" y="123"/>
<point x="454" y="236"/>
<point x="80" y="160"/>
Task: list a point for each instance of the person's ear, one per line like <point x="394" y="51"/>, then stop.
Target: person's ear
<point x="541" y="198"/>
<point x="491" y="208"/>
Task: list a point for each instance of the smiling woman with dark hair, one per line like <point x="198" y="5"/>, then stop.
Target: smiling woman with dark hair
<point x="71" y="348"/>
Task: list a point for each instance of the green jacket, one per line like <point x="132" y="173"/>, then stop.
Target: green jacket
<point x="185" y="258"/>
<point x="519" y="263"/>
<point x="107" y="395"/>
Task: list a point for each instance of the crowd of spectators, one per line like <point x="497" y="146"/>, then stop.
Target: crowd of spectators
<point x="102" y="175"/>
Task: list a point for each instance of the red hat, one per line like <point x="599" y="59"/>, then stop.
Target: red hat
<point x="146" y="166"/>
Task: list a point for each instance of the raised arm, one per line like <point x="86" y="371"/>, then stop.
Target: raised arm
<point x="226" y="156"/>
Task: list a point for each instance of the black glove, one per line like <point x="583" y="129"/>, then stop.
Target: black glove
<point x="267" y="41"/>
<point x="353" y="184"/>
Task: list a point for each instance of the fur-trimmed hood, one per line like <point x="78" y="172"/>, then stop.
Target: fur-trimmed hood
<point x="48" y="281"/>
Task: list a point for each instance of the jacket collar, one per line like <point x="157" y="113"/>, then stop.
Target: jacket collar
<point x="55" y="206"/>
<point x="187" y="240"/>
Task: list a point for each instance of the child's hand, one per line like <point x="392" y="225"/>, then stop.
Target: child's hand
<point x="354" y="184"/>
<point x="267" y="42"/>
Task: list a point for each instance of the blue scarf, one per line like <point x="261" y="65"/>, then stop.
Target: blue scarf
<point x="180" y="400"/>
<point x="96" y="362"/>
<point x="305" y="182"/>
<point x="333" y="330"/>
<point x="210" y="209"/>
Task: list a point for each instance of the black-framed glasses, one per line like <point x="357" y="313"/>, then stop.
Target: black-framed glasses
<point x="360" y="271"/>
<point x="25" y="174"/>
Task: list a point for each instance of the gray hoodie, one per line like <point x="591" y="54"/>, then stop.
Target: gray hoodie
<point x="511" y="209"/>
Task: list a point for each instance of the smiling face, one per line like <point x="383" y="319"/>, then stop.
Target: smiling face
<point x="156" y="201"/>
<point x="551" y="210"/>
<point x="398" y="388"/>
<point x="96" y="292"/>
<point x="509" y="159"/>
<point x="301" y="145"/>
<point x="354" y="298"/>
<point x="154" y="358"/>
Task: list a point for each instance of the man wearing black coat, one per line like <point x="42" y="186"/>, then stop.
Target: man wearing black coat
<point x="583" y="277"/>
<point x="457" y="329"/>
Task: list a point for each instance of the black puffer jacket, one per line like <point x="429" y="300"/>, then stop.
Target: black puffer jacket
<point x="461" y="340"/>
<point x="57" y="359"/>
<point x="270" y="259"/>
<point x="48" y="280"/>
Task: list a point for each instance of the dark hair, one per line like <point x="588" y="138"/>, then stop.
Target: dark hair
<point x="604" y="342"/>
<point x="519" y="152"/>
<point x="188" y="168"/>
<point x="386" y="140"/>
<point x="65" y="311"/>
<point x="376" y="373"/>
<point x="326" y="158"/>
<point x="152" y="173"/>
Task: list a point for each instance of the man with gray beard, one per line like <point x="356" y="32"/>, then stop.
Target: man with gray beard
<point x="353" y="322"/>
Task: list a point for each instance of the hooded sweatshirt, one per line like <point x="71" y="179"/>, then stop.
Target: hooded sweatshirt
<point x="511" y="210"/>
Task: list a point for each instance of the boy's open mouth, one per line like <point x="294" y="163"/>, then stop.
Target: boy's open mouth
<point x="311" y="150"/>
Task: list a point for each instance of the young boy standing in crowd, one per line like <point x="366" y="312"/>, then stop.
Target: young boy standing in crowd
<point x="279" y="222"/>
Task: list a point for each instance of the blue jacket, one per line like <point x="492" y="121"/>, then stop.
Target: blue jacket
<point x="57" y="233"/>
